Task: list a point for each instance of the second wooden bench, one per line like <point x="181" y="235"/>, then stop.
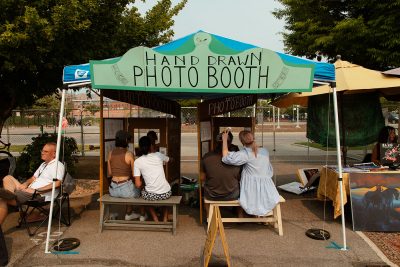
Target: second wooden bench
<point x="274" y="217"/>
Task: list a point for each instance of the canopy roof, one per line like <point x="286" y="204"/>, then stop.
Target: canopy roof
<point x="351" y="79"/>
<point x="201" y="65"/>
<point x="393" y="72"/>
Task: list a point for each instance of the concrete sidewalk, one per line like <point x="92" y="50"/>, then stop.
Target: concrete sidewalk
<point x="249" y="244"/>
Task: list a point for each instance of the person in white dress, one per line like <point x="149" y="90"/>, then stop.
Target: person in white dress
<point x="258" y="194"/>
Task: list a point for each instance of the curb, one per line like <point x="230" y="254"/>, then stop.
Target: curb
<point x="376" y="249"/>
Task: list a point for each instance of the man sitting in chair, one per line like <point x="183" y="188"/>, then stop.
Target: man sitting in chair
<point x="38" y="187"/>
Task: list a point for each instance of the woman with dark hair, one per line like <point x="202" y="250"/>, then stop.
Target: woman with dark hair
<point x="258" y="194"/>
<point x="386" y="135"/>
<point x="150" y="166"/>
<point x="120" y="168"/>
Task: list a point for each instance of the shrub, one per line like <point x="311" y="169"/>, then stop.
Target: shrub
<point x="30" y="158"/>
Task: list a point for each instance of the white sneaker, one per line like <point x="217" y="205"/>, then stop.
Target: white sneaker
<point x="113" y="215"/>
<point x="143" y="218"/>
<point x="131" y="216"/>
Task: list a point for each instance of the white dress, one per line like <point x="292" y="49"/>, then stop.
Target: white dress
<point x="258" y="194"/>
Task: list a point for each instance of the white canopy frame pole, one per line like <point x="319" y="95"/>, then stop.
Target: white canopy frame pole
<point x="339" y="161"/>
<point x="55" y="178"/>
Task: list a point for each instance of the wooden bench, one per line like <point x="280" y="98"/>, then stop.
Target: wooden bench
<point x="274" y="217"/>
<point x="107" y="200"/>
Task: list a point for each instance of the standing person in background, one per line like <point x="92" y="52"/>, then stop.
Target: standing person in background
<point x="150" y="166"/>
<point x="386" y="135"/>
<point x="153" y="138"/>
<point x="120" y="168"/>
<point x="258" y="194"/>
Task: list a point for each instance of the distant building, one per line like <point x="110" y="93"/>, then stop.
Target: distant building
<point x="111" y="108"/>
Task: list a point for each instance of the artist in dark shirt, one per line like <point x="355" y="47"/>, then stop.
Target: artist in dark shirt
<point x="221" y="181"/>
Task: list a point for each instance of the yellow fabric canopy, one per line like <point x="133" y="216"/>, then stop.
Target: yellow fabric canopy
<point x="350" y="78"/>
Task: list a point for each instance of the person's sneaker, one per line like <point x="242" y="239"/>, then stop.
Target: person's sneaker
<point x="143" y="218"/>
<point x="6" y="194"/>
<point x="131" y="216"/>
<point x="113" y="216"/>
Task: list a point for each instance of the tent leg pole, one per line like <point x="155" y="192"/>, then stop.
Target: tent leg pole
<point x="53" y="194"/>
<point x="339" y="161"/>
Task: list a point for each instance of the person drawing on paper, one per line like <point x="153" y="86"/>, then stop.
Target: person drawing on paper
<point x="221" y="181"/>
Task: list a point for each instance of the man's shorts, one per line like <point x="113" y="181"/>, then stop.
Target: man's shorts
<point x="23" y="197"/>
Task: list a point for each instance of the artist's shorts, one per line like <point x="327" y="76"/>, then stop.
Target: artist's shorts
<point x="153" y="196"/>
<point x="124" y="190"/>
<point x="23" y="197"/>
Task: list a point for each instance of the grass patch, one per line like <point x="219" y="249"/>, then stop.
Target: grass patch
<point x="319" y="146"/>
<point x="20" y="148"/>
<point x="17" y="148"/>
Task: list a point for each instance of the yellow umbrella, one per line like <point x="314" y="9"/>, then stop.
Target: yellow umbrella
<point x="299" y="98"/>
<point x="350" y="78"/>
<point x="357" y="79"/>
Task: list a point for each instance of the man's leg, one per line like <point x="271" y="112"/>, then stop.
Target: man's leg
<point x="10" y="183"/>
<point x="3" y="211"/>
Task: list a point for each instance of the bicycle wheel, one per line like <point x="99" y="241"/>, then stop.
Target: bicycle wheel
<point x="7" y="164"/>
<point x="5" y="154"/>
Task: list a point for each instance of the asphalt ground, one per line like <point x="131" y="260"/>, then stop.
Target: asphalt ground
<point x="250" y="244"/>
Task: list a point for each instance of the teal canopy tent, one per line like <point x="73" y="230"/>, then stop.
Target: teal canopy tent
<point x="200" y="65"/>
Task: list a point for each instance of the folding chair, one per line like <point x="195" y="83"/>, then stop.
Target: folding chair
<point x="27" y="208"/>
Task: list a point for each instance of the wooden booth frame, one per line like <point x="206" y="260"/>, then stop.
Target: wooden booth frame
<point x="209" y="125"/>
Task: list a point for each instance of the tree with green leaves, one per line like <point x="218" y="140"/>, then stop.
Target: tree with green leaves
<point x="38" y="38"/>
<point x="363" y="32"/>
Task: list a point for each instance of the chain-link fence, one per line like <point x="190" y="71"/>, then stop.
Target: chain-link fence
<point x="84" y="124"/>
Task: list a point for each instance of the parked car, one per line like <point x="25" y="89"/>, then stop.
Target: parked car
<point x="393" y="117"/>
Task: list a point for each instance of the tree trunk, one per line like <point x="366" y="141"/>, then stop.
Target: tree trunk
<point x="7" y="104"/>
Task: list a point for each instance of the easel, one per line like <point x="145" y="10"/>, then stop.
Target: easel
<point x="215" y="226"/>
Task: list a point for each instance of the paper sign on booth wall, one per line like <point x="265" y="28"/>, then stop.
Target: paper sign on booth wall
<point x="205" y="130"/>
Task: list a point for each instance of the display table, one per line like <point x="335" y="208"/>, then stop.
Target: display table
<point x="329" y="186"/>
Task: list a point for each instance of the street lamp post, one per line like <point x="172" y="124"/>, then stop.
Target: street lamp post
<point x="293" y="110"/>
<point x="279" y="119"/>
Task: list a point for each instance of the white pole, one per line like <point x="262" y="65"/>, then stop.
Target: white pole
<point x="273" y="120"/>
<point x="55" y="178"/>
<point x="279" y="119"/>
<point x="339" y="161"/>
<point x="297" y="121"/>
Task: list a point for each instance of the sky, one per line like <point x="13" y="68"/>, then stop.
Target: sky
<point x="248" y="21"/>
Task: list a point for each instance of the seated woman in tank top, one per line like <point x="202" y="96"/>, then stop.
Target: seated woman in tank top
<point x="120" y="168"/>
